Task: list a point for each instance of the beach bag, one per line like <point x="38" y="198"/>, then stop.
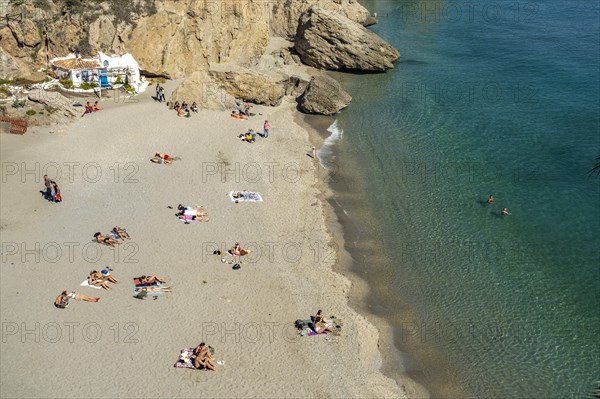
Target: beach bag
<point x="58" y="198"/>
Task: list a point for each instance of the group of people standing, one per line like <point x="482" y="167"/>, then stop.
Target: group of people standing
<point x="50" y="186"/>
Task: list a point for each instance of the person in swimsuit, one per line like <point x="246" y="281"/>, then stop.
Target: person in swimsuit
<point x="81" y="297"/>
<point x="121" y="233"/>
<point x="491" y="199"/>
<point x="204" y="358"/>
<point x="320" y="324"/>
<point x="505" y="212"/>
<point x="103" y="277"/>
<point x="105" y="240"/>
<point x="151" y="279"/>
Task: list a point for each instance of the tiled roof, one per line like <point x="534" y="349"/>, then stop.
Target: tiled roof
<point x="77" y="63"/>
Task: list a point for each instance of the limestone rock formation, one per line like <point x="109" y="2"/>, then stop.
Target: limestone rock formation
<point x="249" y="85"/>
<point x="285" y="14"/>
<point x="57" y="105"/>
<point x="201" y="88"/>
<point x="324" y="96"/>
<point x="9" y="69"/>
<point x="332" y="41"/>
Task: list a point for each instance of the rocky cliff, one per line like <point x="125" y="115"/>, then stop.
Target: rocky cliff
<point x="165" y="36"/>
<point x="178" y="38"/>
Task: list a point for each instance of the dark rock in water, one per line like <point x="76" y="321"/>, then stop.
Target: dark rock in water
<point x="332" y="41"/>
<point x="324" y="96"/>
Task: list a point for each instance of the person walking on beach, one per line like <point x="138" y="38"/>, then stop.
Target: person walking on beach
<point x="48" y="184"/>
<point x="314" y="152"/>
<point x="266" y="128"/>
<point x="57" y="196"/>
<point x="161" y="95"/>
<point x="157" y="92"/>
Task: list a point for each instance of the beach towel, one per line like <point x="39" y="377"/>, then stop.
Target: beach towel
<point x="136" y="292"/>
<point x="184" y="361"/>
<point x="138" y="283"/>
<point x="245" y="196"/>
<point x="86" y="283"/>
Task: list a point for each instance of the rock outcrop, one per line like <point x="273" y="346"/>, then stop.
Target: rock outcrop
<point x="324" y="96"/>
<point x="201" y="88"/>
<point x="250" y="85"/>
<point x="9" y="69"/>
<point x="285" y="14"/>
<point x="332" y="41"/>
<point x="55" y="104"/>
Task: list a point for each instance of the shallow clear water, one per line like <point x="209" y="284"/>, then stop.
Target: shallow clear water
<point x="488" y="98"/>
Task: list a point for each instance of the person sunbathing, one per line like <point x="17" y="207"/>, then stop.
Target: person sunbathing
<point x="183" y="112"/>
<point x="105" y="240"/>
<point x="81" y="297"/>
<point x="238" y="251"/>
<point x="151" y="279"/>
<point x="105" y="277"/>
<point x="176" y="106"/>
<point x="155" y="289"/>
<point x="250" y="137"/>
<point x="203" y="357"/>
<point x="93" y="280"/>
<point x="320" y="324"/>
<point x="95" y="106"/>
<point x="198" y="218"/>
<point x="194" y="107"/>
<point x="122" y="233"/>
<point x="238" y="115"/>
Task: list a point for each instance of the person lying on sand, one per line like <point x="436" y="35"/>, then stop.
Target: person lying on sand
<point x="122" y="233"/>
<point x="155" y="289"/>
<point x="163" y="158"/>
<point x="238" y="115"/>
<point x="106" y="277"/>
<point x="80" y="297"/>
<point x="197" y="218"/>
<point x="105" y="240"/>
<point x="203" y="357"/>
<point x="196" y="208"/>
<point x="93" y="280"/>
<point x="95" y="107"/>
<point x="237" y="250"/>
<point x="151" y="279"/>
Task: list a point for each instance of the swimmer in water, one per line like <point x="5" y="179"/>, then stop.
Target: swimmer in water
<point x="505" y="212"/>
<point x="491" y="199"/>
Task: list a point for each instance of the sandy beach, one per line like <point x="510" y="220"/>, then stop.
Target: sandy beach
<point x="125" y="347"/>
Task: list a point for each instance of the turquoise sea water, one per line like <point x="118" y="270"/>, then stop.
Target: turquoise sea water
<point x="494" y="98"/>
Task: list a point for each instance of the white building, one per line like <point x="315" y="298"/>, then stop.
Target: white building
<point x="105" y="70"/>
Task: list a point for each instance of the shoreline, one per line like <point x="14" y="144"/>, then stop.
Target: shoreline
<point x="393" y="361"/>
<point x="207" y="294"/>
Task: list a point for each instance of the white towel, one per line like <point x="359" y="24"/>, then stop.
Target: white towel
<point x="87" y="284"/>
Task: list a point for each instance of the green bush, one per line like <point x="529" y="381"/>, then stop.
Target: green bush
<point x="67" y="83"/>
<point x="30" y="112"/>
<point x="119" y="80"/>
<point x="129" y="89"/>
<point x="88" y="85"/>
<point x="18" y="104"/>
<point x="5" y="81"/>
